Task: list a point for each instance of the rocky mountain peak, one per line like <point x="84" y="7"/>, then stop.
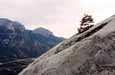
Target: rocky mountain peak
<point x="4" y="20"/>
<point x="43" y="31"/>
<point x="11" y="25"/>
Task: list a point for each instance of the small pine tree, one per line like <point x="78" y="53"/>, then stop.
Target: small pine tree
<point x="86" y="23"/>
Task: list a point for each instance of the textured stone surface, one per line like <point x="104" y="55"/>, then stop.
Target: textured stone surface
<point x="88" y="53"/>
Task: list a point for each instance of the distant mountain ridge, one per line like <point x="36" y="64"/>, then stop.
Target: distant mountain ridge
<point x="43" y="31"/>
<point x="18" y="42"/>
<point x="19" y="46"/>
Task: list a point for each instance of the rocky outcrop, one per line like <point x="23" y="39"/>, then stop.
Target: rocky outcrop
<point x="89" y="53"/>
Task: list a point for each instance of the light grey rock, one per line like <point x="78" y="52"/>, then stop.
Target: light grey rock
<point x="88" y="53"/>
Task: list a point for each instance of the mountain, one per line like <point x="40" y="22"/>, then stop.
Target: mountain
<point x="89" y="53"/>
<point x="51" y="39"/>
<point x="43" y="32"/>
<point x="18" y="46"/>
<point x="18" y="42"/>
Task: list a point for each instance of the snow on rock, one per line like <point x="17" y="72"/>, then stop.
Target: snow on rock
<point x="88" y="53"/>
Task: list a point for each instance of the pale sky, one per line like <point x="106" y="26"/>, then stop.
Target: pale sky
<point x="62" y="17"/>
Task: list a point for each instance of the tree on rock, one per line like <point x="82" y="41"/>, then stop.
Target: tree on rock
<point x="86" y="23"/>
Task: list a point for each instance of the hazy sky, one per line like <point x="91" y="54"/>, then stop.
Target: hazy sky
<point x="60" y="16"/>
